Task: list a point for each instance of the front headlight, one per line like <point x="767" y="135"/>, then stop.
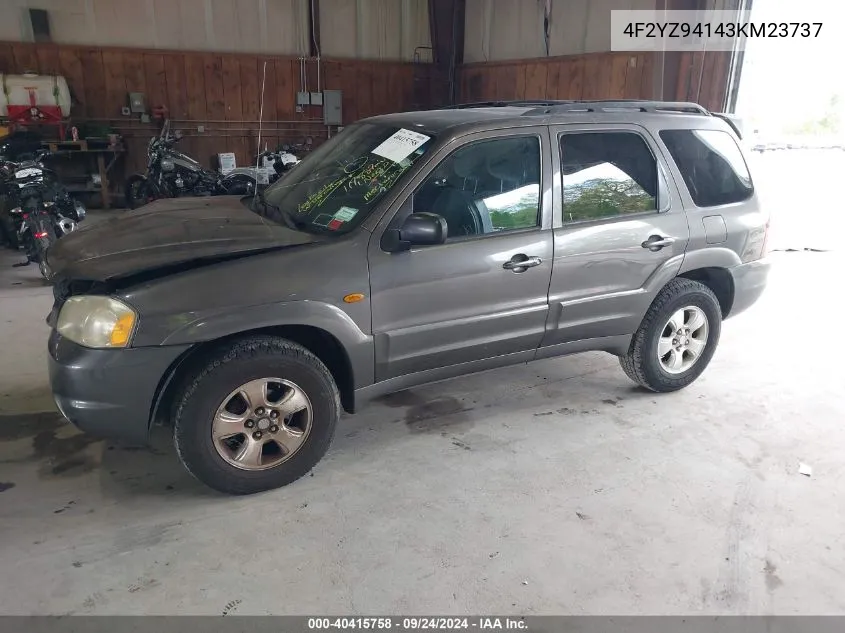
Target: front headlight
<point x="96" y="321"/>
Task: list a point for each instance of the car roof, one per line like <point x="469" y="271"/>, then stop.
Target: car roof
<point x="500" y="114"/>
<point x="436" y="121"/>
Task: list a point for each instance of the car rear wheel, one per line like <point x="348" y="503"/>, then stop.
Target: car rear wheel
<point x="677" y="338"/>
<point x="259" y="415"/>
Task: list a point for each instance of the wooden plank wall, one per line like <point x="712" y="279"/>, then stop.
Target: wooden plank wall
<point x="591" y="76"/>
<point x="220" y="92"/>
<point x="701" y="78"/>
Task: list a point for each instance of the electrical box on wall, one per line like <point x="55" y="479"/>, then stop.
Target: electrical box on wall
<point x="137" y="103"/>
<point x="303" y="98"/>
<point x="317" y="98"/>
<point x="333" y="107"/>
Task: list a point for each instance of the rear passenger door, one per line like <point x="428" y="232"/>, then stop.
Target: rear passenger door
<point x="620" y="232"/>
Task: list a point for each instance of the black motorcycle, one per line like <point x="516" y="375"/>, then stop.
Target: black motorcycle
<point x="171" y="174"/>
<point x="38" y="210"/>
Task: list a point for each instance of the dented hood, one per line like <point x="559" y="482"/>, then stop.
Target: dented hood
<point x="168" y="233"/>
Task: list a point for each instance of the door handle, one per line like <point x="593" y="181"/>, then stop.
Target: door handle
<point x="520" y="262"/>
<point x="656" y="242"/>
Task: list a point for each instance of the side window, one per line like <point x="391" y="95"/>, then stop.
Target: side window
<point x="712" y="166"/>
<point x="486" y="187"/>
<point x="606" y="174"/>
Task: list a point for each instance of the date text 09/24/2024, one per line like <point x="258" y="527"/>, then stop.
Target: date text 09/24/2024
<point x="728" y="30"/>
<point x="419" y="623"/>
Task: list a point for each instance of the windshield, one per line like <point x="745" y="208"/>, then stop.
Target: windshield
<point x="337" y="186"/>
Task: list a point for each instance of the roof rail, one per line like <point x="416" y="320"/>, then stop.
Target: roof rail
<point x="505" y="104"/>
<point x="673" y="107"/>
<point x="731" y="119"/>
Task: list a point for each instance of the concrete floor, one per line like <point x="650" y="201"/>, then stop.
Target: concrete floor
<point x="550" y="488"/>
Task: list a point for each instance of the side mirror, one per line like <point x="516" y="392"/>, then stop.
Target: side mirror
<point x="419" y="229"/>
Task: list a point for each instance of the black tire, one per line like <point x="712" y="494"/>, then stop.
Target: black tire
<point x="226" y="370"/>
<point x="641" y="363"/>
<point x="42" y="244"/>
<point x="240" y="185"/>
<point x="137" y="192"/>
<point x="9" y="231"/>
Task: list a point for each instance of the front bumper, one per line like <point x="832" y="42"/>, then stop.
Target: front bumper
<point x="108" y="392"/>
<point x="749" y="282"/>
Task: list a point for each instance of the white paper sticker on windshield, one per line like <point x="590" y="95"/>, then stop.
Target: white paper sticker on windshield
<point x="345" y="214"/>
<point x="400" y="145"/>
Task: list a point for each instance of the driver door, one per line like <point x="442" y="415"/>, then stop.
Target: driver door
<point x="437" y="308"/>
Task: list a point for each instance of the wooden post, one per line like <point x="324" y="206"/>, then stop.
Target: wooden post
<point x="104" y="180"/>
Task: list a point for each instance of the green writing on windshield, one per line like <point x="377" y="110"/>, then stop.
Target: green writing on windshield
<point x="320" y="196"/>
<point x="374" y="175"/>
<point x="377" y="176"/>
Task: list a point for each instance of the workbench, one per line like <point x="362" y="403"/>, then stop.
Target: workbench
<point x="105" y="157"/>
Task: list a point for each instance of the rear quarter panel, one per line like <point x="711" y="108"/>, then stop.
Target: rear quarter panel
<point x="744" y="222"/>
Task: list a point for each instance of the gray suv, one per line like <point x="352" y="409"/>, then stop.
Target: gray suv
<point x="408" y="249"/>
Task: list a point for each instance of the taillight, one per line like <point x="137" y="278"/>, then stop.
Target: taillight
<point x="41" y="234"/>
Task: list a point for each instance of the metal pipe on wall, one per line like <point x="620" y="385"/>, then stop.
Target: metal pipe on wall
<point x="239" y="136"/>
<point x="316" y="40"/>
<point x="123" y="121"/>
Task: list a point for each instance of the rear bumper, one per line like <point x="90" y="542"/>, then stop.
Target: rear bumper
<point x="749" y="282"/>
<point x="108" y="393"/>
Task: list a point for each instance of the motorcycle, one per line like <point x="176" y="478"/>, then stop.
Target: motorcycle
<point x="39" y="209"/>
<point x="171" y="174"/>
<point x="281" y="160"/>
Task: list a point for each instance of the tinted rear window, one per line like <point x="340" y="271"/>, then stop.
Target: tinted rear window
<point x="711" y="164"/>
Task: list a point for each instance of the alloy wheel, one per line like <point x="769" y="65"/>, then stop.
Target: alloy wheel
<point x="682" y="340"/>
<point x="262" y="423"/>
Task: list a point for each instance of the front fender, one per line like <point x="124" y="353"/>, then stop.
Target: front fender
<point x="215" y="325"/>
<point x="241" y="171"/>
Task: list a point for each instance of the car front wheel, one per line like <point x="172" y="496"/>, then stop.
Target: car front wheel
<point x="676" y="339"/>
<point x="259" y="415"/>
